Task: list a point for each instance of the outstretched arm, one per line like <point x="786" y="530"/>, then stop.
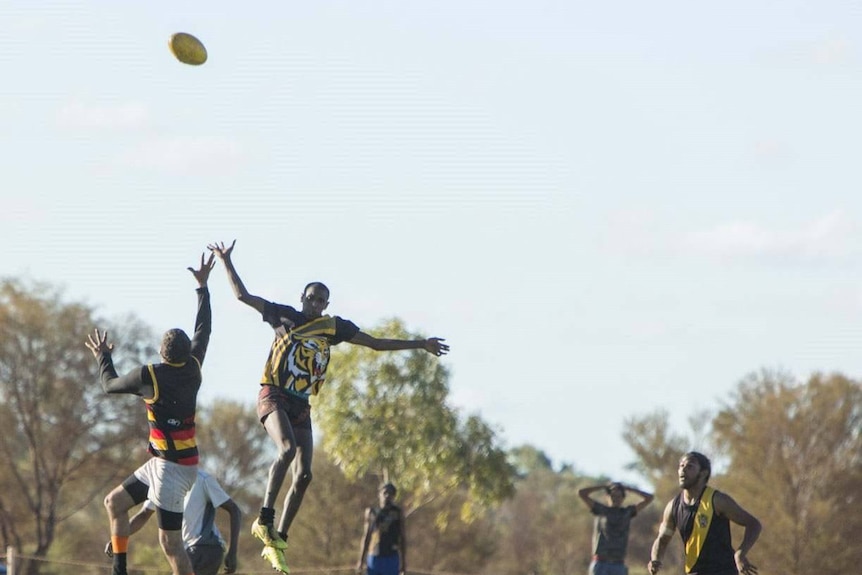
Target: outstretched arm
<point x="223" y="252"/>
<point x="433" y="345"/>
<point x="132" y="382"/>
<point x="725" y="505"/>
<point x="665" y="532"/>
<point x="203" y="319"/>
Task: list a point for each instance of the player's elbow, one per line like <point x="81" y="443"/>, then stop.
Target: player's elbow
<point x="754" y="525"/>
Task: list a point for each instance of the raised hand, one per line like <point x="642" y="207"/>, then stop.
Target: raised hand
<point x="435" y="346"/>
<point x="203" y="274"/>
<point x="219" y="249"/>
<point x="98" y="343"/>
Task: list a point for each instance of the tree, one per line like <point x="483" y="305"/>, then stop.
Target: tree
<point x="528" y="459"/>
<point x="234" y="447"/>
<point x="793" y="455"/>
<point x="386" y="415"/>
<point x="658" y="450"/>
<point x="796" y="461"/>
<point x="64" y="442"/>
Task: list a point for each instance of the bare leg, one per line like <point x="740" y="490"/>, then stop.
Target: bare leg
<point x="175" y="551"/>
<point x="301" y="478"/>
<point x="278" y="428"/>
<point x="118" y="502"/>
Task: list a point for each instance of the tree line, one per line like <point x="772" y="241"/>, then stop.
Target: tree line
<point x="789" y="450"/>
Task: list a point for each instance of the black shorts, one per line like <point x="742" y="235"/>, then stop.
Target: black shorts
<point x="273" y="398"/>
<point x="206" y="559"/>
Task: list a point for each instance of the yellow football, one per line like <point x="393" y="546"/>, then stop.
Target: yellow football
<point x="187" y="49"/>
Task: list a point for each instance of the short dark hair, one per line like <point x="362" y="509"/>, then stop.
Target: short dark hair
<point x="176" y="346"/>
<point x="702" y="461"/>
<point x="389" y="487"/>
<point x="616" y="485"/>
<point x="316" y="284"/>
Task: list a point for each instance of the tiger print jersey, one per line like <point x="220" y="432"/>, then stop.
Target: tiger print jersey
<point x="299" y="354"/>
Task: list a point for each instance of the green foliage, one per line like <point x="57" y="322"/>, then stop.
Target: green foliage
<point x="527" y="459"/>
<point x="385" y="414"/>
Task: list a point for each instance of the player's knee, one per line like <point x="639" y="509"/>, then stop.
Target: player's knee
<point x="111" y="503"/>
<point x="303" y="479"/>
<point x="287" y="454"/>
<point x="171" y="542"/>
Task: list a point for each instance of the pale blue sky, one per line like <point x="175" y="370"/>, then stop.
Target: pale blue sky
<point x="605" y="207"/>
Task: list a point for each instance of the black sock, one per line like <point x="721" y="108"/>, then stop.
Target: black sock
<point x="119" y="564"/>
<point x="283" y="535"/>
<point x="267" y="516"/>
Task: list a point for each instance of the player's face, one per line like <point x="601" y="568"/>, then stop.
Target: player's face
<point x="616" y="496"/>
<point x="314" y="301"/>
<point x="386" y="497"/>
<point x="689" y="472"/>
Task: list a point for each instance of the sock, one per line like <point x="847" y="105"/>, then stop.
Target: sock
<point x="267" y="516"/>
<point x="119" y="544"/>
<point x="119" y="566"/>
<point x="283" y="535"/>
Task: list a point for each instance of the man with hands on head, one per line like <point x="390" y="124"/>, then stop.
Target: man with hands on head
<point x="169" y="390"/>
<point x="294" y="371"/>
<point x="611" y="530"/>
<point x="702" y="515"/>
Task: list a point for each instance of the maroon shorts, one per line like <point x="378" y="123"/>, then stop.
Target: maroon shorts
<point x="273" y="398"/>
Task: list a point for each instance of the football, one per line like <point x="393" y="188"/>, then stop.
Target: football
<point x="187" y="49"/>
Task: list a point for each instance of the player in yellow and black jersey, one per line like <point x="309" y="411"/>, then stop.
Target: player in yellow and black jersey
<point x="702" y="515"/>
<point x="295" y="370"/>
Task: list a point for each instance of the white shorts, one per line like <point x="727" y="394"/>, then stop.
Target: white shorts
<point x="168" y="482"/>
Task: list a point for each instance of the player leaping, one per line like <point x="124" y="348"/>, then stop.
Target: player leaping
<point x="294" y="371"/>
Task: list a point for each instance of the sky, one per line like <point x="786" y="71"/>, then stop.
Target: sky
<point x="606" y="208"/>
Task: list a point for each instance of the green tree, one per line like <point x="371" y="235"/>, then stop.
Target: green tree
<point x="64" y="442"/>
<point x="527" y="459"/>
<point x="795" y="453"/>
<point x="385" y="414"/>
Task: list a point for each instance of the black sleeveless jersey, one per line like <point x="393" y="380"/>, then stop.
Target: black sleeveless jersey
<point x="705" y="536"/>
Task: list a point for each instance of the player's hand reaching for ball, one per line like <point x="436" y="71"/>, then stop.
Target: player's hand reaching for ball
<point x="203" y="274"/>
<point x="435" y="346"/>
<point x="98" y="343"/>
<point x="219" y="249"/>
